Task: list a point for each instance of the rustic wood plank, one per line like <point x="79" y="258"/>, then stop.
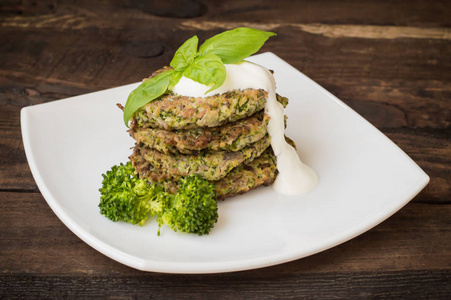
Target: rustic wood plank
<point x="408" y="72"/>
<point x="398" y="13"/>
<point x="14" y="171"/>
<point x="332" y="31"/>
<point x="33" y="238"/>
<point x="431" y="149"/>
<point x="399" y="285"/>
<point x="392" y="76"/>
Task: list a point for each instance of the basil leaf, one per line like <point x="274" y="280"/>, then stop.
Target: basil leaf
<point x="235" y="45"/>
<point x="185" y="54"/>
<point x="149" y="90"/>
<point x="175" y="79"/>
<point x="208" y="70"/>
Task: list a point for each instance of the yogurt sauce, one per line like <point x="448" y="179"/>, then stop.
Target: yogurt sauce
<point x="294" y="178"/>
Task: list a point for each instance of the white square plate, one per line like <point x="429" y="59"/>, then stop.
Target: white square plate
<point x="363" y="179"/>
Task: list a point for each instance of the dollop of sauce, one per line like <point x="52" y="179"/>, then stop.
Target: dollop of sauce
<point x="294" y="178"/>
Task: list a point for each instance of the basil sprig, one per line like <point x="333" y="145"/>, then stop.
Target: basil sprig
<point x="205" y="66"/>
<point x="149" y="90"/>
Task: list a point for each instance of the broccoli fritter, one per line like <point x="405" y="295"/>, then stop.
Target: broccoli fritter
<point x="172" y="112"/>
<point x="231" y="137"/>
<point x="211" y="165"/>
<point x="221" y="138"/>
<point x="248" y="176"/>
<point x="261" y="171"/>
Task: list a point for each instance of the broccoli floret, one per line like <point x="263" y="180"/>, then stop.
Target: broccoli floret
<point x="126" y="197"/>
<point x="193" y="209"/>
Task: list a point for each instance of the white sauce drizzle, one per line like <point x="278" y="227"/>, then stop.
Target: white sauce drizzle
<point x="294" y="178"/>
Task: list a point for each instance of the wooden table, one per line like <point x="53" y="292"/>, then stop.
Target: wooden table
<point x="390" y="61"/>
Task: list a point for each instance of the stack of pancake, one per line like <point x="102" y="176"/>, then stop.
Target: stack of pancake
<point x="222" y="138"/>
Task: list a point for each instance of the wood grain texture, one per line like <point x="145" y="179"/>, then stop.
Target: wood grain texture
<point x="398" y="285"/>
<point x="388" y="60"/>
<point x="334" y="31"/>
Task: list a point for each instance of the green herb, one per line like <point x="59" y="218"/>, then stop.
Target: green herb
<point x="207" y="69"/>
<point x="235" y="45"/>
<point x="185" y="55"/>
<point x="205" y="66"/>
<point x="149" y="90"/>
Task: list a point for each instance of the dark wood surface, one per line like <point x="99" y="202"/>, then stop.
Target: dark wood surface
<point x="389" y="60"/>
